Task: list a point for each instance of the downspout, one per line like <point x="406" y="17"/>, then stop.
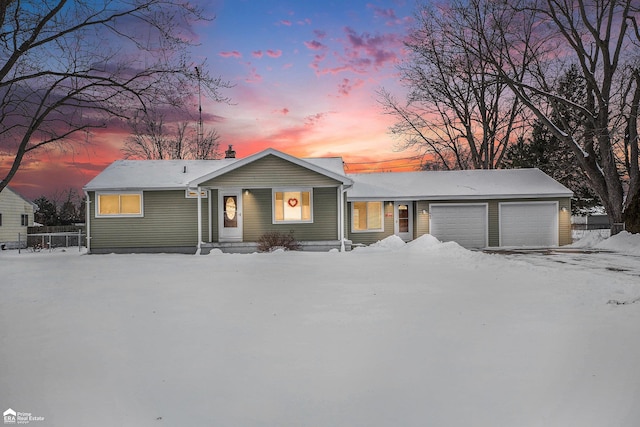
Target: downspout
<point x="210" y="215"/>
<point x="341" y="217"/>
<point x="199" y="221"/>
<point x="88" y="221"/>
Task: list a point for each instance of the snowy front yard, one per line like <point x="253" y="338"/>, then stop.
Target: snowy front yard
<point x="423" y="334"/>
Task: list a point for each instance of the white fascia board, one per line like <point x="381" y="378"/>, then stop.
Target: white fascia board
<point x="180" y="188"/>
<point x="458" y="197"/>
<point x="270" y="151"/>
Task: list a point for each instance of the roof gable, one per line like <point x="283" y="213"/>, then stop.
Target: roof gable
<point x="8" y="192"/>
<point x="182" y="174"/>
<point x="315" y="165"/>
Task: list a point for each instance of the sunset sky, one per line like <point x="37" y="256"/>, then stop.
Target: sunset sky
<point x="305" y="76"/>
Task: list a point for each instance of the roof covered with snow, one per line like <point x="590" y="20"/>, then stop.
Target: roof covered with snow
<point x="179" y="174"/>
<point x="467" y="184"/>
<point x="423" y="185"/>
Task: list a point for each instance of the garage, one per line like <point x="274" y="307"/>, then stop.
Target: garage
<point x="532" y="224"/>
<point x="465" y="223"/>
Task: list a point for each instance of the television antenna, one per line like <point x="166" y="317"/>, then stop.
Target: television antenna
<point x="200" y="127"/>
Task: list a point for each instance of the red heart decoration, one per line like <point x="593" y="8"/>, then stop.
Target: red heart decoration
<point x="293" y="202"/>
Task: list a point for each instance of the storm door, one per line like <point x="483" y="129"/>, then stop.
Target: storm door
<point x="403" y="220"/>
<point x="230" y="215"/>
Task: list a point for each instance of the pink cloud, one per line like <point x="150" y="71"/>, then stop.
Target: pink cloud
<point x="283" y="111"/>
<point x="347" y="85"/>
<point x="320" y="34"/>
<point x="231" y="54"/>
<point x="314" y="119"/>
<point x="314" y="45"/>
<point x="253" y="76"/>
<point x="305" y="21"/>
<point x="362" y="53"/>
<point x="286" y="22"/>
<point x="257" y="54"/>
<point x="389" y="15"/>
<point x="383" y="13"/>
<point x="274" y="53"/>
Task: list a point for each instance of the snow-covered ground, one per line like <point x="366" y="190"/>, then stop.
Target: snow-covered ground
<point x="418" y="334"/>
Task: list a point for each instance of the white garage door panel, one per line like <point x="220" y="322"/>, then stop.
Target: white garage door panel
<point x="529" y="224"/>
<point x="464" y="224"/>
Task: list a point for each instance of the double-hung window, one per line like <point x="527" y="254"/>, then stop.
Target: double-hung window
<point x="24" y="220"/>
<point x="119" y="205"/>
<point x="292" y="205"/>
<point x="367" y="216"/>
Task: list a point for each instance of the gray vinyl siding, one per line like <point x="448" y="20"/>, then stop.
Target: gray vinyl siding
<point x="421" y="220"/>
<point x="369" y="237"/>
<point x="170" y="220"/>
<point x="258" y="212"/>
<point x="271" y="171"/>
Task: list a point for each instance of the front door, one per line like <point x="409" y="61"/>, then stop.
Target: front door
<point x="403" y="220"/>
<point x="230" y="215"/>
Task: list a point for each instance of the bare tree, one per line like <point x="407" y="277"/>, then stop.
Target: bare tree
<point x="457" y="111"/>
<point x="67" y="66"/>
<point x="602" y="37"/>
<point x="153" y="139"/>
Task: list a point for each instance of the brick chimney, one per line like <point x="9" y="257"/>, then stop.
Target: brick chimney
<point x="230" y="153"/>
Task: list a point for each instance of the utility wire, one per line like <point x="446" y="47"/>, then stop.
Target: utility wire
<point x="384" y="161"/>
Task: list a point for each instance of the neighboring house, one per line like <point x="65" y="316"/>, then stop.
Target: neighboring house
<point x="16" y="214"/>
<point x="196" y="205"/>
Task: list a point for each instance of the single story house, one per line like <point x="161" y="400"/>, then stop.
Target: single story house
<point x="192" y="206"/>
<point x="16" y="214"/>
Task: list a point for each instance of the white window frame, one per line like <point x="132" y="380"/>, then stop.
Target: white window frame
<point x="119" y="215"/>
<point x="291" y="189"/>
<point x="368" y="230"/>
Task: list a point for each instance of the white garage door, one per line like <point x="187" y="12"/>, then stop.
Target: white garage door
<point x="465" y="224"/>
<point x="533" y="224"/>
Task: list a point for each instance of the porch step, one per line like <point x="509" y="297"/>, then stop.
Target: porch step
<point x="251" y="247"/>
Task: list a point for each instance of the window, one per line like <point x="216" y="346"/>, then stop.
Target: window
<point x="0" y="220"/>
<point x="292" y="206"/>
<point x="125" y="204"/>
<point x="367" y="216"/>
<point x="24" y="220"/>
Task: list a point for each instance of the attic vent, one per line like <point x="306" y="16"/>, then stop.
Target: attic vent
<point x="230" y="154"/>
